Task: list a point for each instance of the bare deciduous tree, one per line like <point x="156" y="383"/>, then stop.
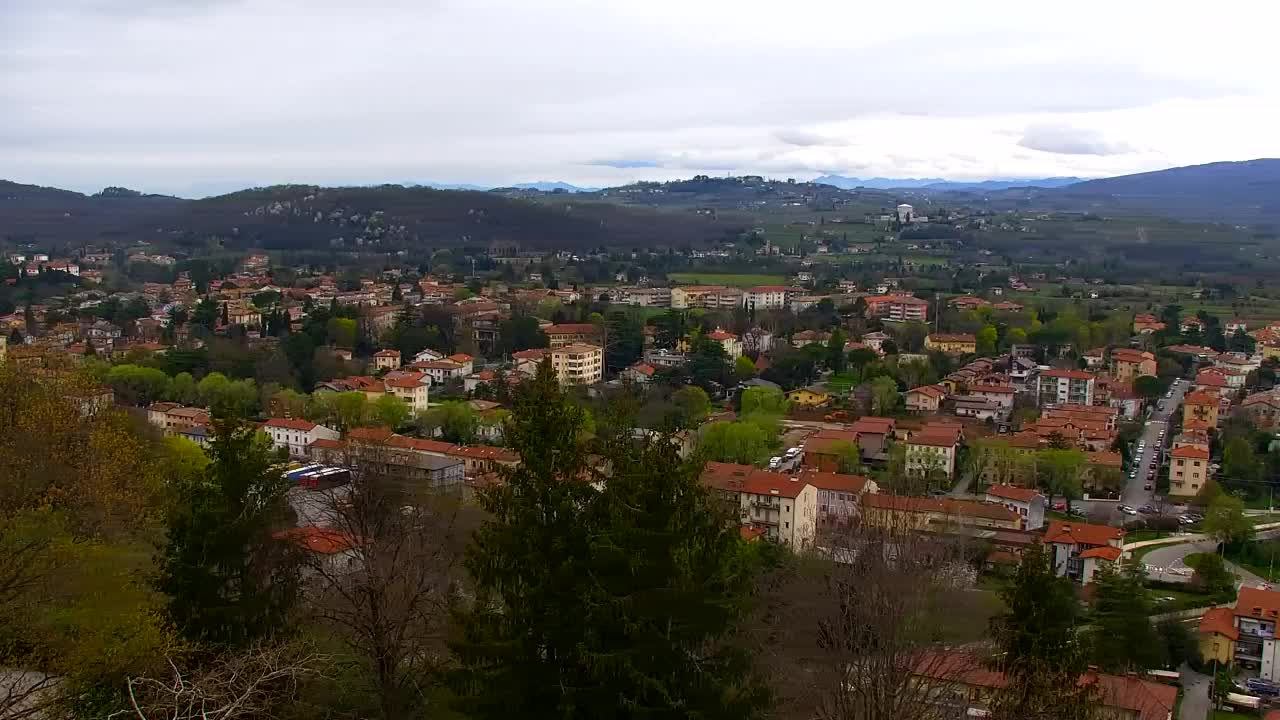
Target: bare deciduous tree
<point x="252" y="683"/>
<point x="860" y="629"/>
<point x="389" y="597"/>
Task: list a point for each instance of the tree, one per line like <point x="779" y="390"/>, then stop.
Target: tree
<point x="743" y="368"/>
<point x="1180" y="644"/>
<point x="691" y="406"/>
<point x="743" y="442"/>
<point x="986" y="340"/>
<point x="228" y="581"/>
<point x="848" y="456"/>
<point x="390" y="411"/>
<point x="1149" y="387"/>
<point x="884" y="395"/>
<point x="520" y="332"/>
<point x="1059" y="472"/>
<point x="1038" y="648"/>
<point x="708" y="366"/>
<point x="625" y="344"/>
<point x="456" y="420"/>
<point x="614" y="602"/>
<point x="1226" y="523"/>
<point x="1121" y="637"/>
<point x="138" y="385"/>
<point x="183" y="389"/>
<point x="836" y="360"/>
<point x="766" y="400"/>
<point x="1212" y="576"/>
<point x="1239" y="462"/>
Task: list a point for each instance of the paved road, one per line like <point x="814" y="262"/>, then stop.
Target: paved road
<point x="1135" y="493"/>
<point x="1172" y="567"/>
<point x="1195" y="695"/>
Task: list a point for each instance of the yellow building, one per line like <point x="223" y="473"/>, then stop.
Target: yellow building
<point x="578" y="364"/>
<point x="1188" y="470"/>
<point x="809" y="397"/>
<point x="955" y="344"/>
<point x="1218" y="635"/>
<point x="1200" y="407"/>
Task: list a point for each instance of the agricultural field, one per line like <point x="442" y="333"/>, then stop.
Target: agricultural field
<point x="727" y="279"/>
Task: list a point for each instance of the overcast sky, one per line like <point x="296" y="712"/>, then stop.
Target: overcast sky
<point x="196" y="96"/>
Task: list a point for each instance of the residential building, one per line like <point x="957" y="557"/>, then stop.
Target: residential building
<point x="173" y="418"/>
<point x="809" y="337"/>
<point x="573" y="333"/>
<point x="732" y="346"/>
<point x="441" y="371"/>
<point x="1218" y="636"/>
<point x="295" y="434"/>
<point x="1079" y="548"/>
<point x="783" y="507"/>
<point x="1057" y="387"/>
<point x="838" y="494"/>
<point x="1128" y="363"/>
<point x="757" y="341"/>
<point x="386" y="359"/>
<point x="1263" y="409"/>
<point x="979" y="409"/>
<point x="1188" y="470"/>
<point x="875" y="340"/>
<point x="639" y="373"/>
<point x="1001" y="395"/>
<point x="1027" y="503"/>
<point x="898" y="308"/>
<point x="578" y="364"/>
<point x="925" y="513"/>
<point x="926" y="398"/>
<point x="329" y="552"/>
<point x="951" y="343"/>
<point x="1146" y="323"/>
<point x="412" y="387"/>
<point x="766" y="297"/>
<point x="1200" y="408"/>
<point x="705" y="296"/>
<point x="809" y="397"/>
<point x="1255" y="614"/>
<point x="932" y="450"/>
<point x="964" y="686"/>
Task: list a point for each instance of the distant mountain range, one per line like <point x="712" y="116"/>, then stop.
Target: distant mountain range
<point x="542" y="185"/>
<point x="882" y="183"/>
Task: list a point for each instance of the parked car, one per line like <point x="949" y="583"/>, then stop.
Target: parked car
<point x="1127" y="510"/>
<point x="775" y="463"/>
<point x="1148" y="486"/>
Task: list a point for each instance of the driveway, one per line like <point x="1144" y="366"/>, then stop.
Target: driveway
<point x="1195" y="695"/>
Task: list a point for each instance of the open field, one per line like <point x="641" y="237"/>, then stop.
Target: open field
<point x="729" y="279"/>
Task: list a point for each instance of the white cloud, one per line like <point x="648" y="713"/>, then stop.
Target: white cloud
<point x="161" y="94"/>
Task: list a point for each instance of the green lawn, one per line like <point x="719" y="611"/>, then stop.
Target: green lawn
<point x="1228" y="715"/>
<point x="1181" y="600"/>
<point x="728" y="279"/>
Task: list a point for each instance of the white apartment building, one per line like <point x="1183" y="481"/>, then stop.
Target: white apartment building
<point x="779" y="507"/>
<point x="1065" y="387"/>
<point x="705" y="296"/>
<point x="730" y="342"/>
<point x="578" y="364"/>
<point x="766" y="297"/>
<point x="295" y="434"/>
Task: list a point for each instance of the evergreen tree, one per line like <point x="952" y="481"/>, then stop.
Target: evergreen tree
<point x="1039" y="651"/>
<point x="836" y="359"/>
<point x="609" y="603"/>
<point x="228" y="580"/>
<point x="1121" y="637"/>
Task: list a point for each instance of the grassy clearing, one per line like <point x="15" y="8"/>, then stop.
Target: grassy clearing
<point x="1161" y="602"/>
<point x="727" y="279"/>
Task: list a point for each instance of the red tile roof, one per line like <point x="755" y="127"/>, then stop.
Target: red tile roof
<point x="1106" y="553"/>
<point x="837" y="482"/>
<point x="1258" y="603"/>
<point x="1072" y="374"/>
<point x="571" y="329"/>
<point x="1221" y="621"/>
<point x="1017" y="494"/>
<point x="327" y="444"/>
<point x="1191" y="452"/>
<point x="291" y="424"/>
<point x="719" y="335"/>
<point x="531" y="354"/>
<point x="942" y="506"/>
<point x="749" y="479"/>
<point x="325" y="541"/>
<point x="1081" y="533"/>
<point x="387" y="353"/>
<point x="1201" y="398"/>
<point x="1002" y="389"/>
<point x="370" y="434"/>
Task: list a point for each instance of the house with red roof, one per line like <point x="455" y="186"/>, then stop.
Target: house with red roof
<point x="641" y="372"/>
<point x="1029" y="504"/>
<point x="328" y="552"/>
<point x="571" y="333"/>
<point x="730" y="342"/>
<point x="838" y="494"/>
<point x="1079" y="548"/>
<point x="295" y="434"/>
<point x="940" y="514"/>
<point x="1218" y="635"/>
<point x="926" y="398"/>
<point x="783" y="506"/>
<point x="933" y="450"/>
<point x="386" y="359"/>
<point x="969" y="683"/>
<point x="1188" y="470"/>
